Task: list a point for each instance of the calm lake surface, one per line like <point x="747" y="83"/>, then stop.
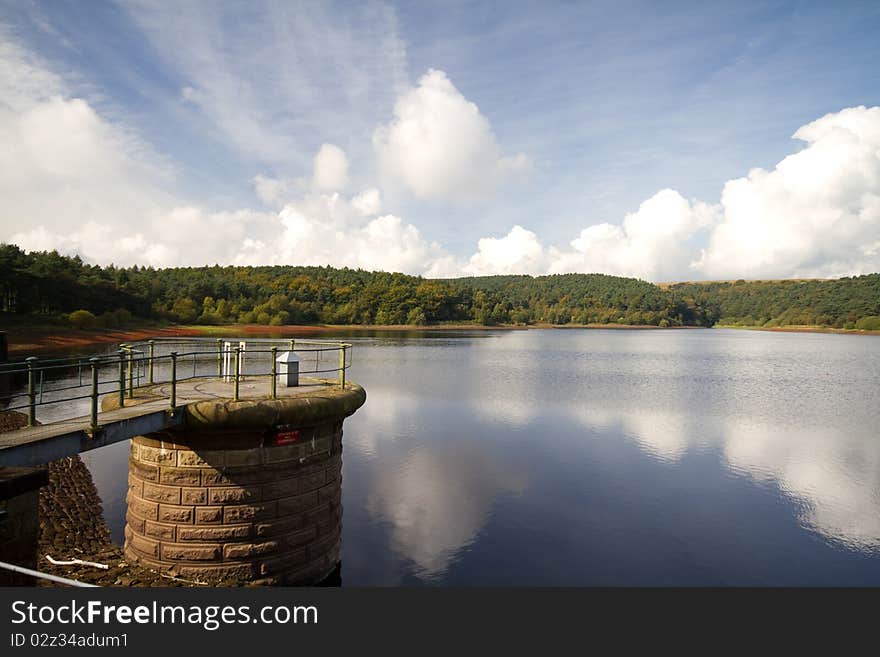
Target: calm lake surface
<point x="594" y="457"/>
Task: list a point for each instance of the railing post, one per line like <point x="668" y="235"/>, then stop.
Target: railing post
<point x="173" y="379"/>
<point x="274" y="373"/>
<point x="342" y="367"/>
<point x="237" y="359"/>
<point x="292" y="343"/>
<point x="152" y="344"/>
<point x="121" y="353"/>
<point x="32" y="391"/>
<point x="130" y="372"/>
<point x="219" y="358"/>
<point x="94" y="362"/>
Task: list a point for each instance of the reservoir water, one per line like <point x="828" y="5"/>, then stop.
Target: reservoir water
<point x="604" y="457"/>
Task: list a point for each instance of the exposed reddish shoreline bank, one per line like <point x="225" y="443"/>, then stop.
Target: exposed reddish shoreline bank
<point x="25" y="340"/>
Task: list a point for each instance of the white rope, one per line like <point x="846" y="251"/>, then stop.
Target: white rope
<point x="35" y="573"/>
<point x="75" y="562"/>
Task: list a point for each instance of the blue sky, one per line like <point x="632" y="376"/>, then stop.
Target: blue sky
<point x="447" y="138"/>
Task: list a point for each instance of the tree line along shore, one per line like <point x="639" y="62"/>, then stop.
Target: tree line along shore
<point x="46" y="288"/>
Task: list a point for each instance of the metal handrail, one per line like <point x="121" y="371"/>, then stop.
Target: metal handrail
<point x="135" y="362"/>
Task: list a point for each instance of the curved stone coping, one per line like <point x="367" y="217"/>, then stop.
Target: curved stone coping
<point x="311" y="406"/>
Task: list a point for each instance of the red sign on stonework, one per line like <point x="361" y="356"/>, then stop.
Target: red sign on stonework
<point x="287" y="437"/>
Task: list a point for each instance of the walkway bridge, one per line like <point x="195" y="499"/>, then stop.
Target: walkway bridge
<point x="143" y="387"/>
<point x="235" y="465"/>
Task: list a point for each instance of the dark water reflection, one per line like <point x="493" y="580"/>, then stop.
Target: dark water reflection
<point x="605" y="457"/>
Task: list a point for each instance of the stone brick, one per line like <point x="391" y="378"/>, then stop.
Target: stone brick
<point x="180" y="476"/>
<point x="202" y="459"/>
<point x="159" y="493"/>
<point x="249" y="550"/>
<point x="248" y="512"/>
<point x="328" y="492"/>
<point x="215" y="478"/>
<point x="207" y="534"/>
<point x="157" y="455"/>
<point x="135" y="487"/>
<point x="278" y="526"/>
<point x="333" y="471"/>
<point x="279" y="471"/>
<point x="317" y="446"/>
<point x="143" y="509"/>
<point x="306" y="572"/>
<point x="143" y="471"/>
<point x="323" y="545"/>
<point x="325" y="527"/>
<point x="335" y="502"/>
<point x="193" y="496"/>
<point x="240" y="457"/>
<point x="158" y="530"/>
<point x="209" y="515"/>
<point x="234" y="494"/>
<point x="311" y="481"/>
<point x="135" y="523"/>
<point x="282" y="453"/>
<point x="143" y="545"/>
<point x="249" y="476"/>
<point x="299" y="537"/>
<point x="297" y="504"/>
<point x="175" y="514"/>
<point x="241" y="572"/>
<point x="178" y="552"/>
<point x="288" y="561"/>
<point x="319" y="513"/>
<point x="283" y="488"/>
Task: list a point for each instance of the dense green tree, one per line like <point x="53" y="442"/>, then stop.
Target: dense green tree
<point x="82" y="319"/>
<point x="49" y="284"/>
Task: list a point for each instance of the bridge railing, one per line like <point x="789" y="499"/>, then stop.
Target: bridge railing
<point x="160" y="361"/>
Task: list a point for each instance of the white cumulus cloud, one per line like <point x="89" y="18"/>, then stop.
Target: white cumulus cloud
<point x="656" y="242"/>
<point x="816" y="214"/>
<point x="439" y="145"/>
<point x="275" y="192"/>
<point x="368" y="202"/>
<point x="330" y="169"/>
<point x="322" y="229"/>
<point x="518" y="252"/>
<point x="72" y="179"/>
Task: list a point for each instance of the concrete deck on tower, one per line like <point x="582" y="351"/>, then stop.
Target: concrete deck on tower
<point x="209" y="403"/>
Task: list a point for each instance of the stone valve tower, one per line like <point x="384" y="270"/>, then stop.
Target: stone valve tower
<point x="247" y="490"/>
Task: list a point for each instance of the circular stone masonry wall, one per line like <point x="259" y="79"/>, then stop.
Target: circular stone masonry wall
<point x="235" y="505"/>
<point x="249" y="490"/>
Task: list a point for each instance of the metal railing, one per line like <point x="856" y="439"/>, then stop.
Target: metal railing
<point x="154" y="362"/>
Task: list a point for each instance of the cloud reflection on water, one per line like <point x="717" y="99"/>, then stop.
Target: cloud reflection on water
<point x="832" y="475"/>
<point x="437" y="494"/>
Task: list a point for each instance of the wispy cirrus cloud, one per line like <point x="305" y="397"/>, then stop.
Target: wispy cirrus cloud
<point x="73" y="180"/>
<point x="267" y="76"/>
<point x="310" y="116"/>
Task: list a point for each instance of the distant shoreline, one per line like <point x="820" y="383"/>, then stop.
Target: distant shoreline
<point x="800" y="329"/>
<point x="23" y="340"/>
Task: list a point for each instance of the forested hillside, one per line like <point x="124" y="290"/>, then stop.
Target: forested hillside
<point x="49" y="285"/>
